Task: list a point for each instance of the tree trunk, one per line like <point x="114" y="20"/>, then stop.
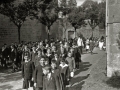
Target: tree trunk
<point x="64" y="33"/>
<point x="92" y="34"/>
<point x="48" y="33"/>
<point x="75" y="32"/>
<point x="19" y="33"/>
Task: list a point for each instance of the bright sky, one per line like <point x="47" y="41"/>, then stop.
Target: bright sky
<point x="80" y="2"/>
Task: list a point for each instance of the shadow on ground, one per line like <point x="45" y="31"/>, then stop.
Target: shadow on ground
<point x="5" y="70"/>
<point x="89" y="53"/>
<point x="6" y="87"/>
<point x="77" y="82"/>
<point x="7" y="76"/>
<point x="114" y="82"/>
<point x="83" y="67"/>
<point x="10" y="77"/>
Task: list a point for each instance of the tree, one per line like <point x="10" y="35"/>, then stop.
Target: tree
<point x="46" y="14"/>
<point x="92" y="14"/>
<point x="64" y="23"/>
<point x="76" y="18"/>
<point x="95" y="14"/>
<point x="68" y="3"/>
<point x="16" y="13"/>
<point x="6" y="1"/>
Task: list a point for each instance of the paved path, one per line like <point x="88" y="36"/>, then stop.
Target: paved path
<point x="89" y="62"/>
<point x="13" y="81"/>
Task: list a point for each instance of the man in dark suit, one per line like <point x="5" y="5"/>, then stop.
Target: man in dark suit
<point x="33" y="54"/>
<point x="76" y="55"/>
<point x="27" y="71"/>
<point x="57" y="75"/>
<point x="62" y="51"/>
<point x="57" y="59"/>
<point x="49" y="82"/>
<point x="13" y="56"/>
<point x="38" y="75"/>
<point x="5" y="54"/>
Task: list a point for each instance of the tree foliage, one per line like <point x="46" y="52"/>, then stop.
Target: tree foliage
<point x="45" y="13"/>
<point x="6" y="1"/>
<point x="95" y="14"/>
<point x="64" y="23"/>
<point x="76" y="18"/>
<point x="92" y="12"/>
<point x="16" y="13"/>
<point x="68" y="3"/>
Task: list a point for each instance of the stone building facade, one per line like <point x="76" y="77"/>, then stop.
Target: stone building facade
<point x="113" y="37"/>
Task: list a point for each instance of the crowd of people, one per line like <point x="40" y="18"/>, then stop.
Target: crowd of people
<point x="46" y="65"/>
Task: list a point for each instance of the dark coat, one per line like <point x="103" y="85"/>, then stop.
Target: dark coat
<point x="58" y="78"/>
<point x="91" y="45"/>
<point x="71" y="63"/>
<point x="27" y="70"/>
<point x="23" y="54"/>
<point x="59" y="50"/>
<point x="38" y="76"/>
<point x="51" y="84"/>
<point x="57" y="62"/>
<point x="76" y="55"/>
<point x="62" y="54"/>
<point x="6" y="52"/>
<point x="19" y="56"/>
<point x="53" y="52"/>
<point x="33" y="56"/>
<point x="13" y="54"/>
<point x="37" y="59"/>
<point x="50" y="58"/>
<point x="65" y="73"/>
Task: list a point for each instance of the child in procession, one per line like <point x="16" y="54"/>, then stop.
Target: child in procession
<point x="71" y="63"/>
<point x="57" y="75"/>
<point x="65" y="72"/>
<point x="49" y="81"/>
<point x="38" y="75"/>
<point x="27" y="72"/>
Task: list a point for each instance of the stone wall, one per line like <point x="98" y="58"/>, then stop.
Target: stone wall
<point x="113" y="31"/>
<point x="31" y="30"/>
<point x="87" y="32"/>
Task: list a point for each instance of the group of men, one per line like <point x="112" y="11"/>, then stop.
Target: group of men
<point x="45" y="65"/>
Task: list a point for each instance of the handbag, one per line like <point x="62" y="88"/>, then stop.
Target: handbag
<point x="30" y="88"/>
<point x="72" y="74"/>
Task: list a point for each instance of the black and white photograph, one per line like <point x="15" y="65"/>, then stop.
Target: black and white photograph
<point x="59" y="44"/>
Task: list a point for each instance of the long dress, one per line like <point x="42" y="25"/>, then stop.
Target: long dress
<point x="101" y="45"/>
